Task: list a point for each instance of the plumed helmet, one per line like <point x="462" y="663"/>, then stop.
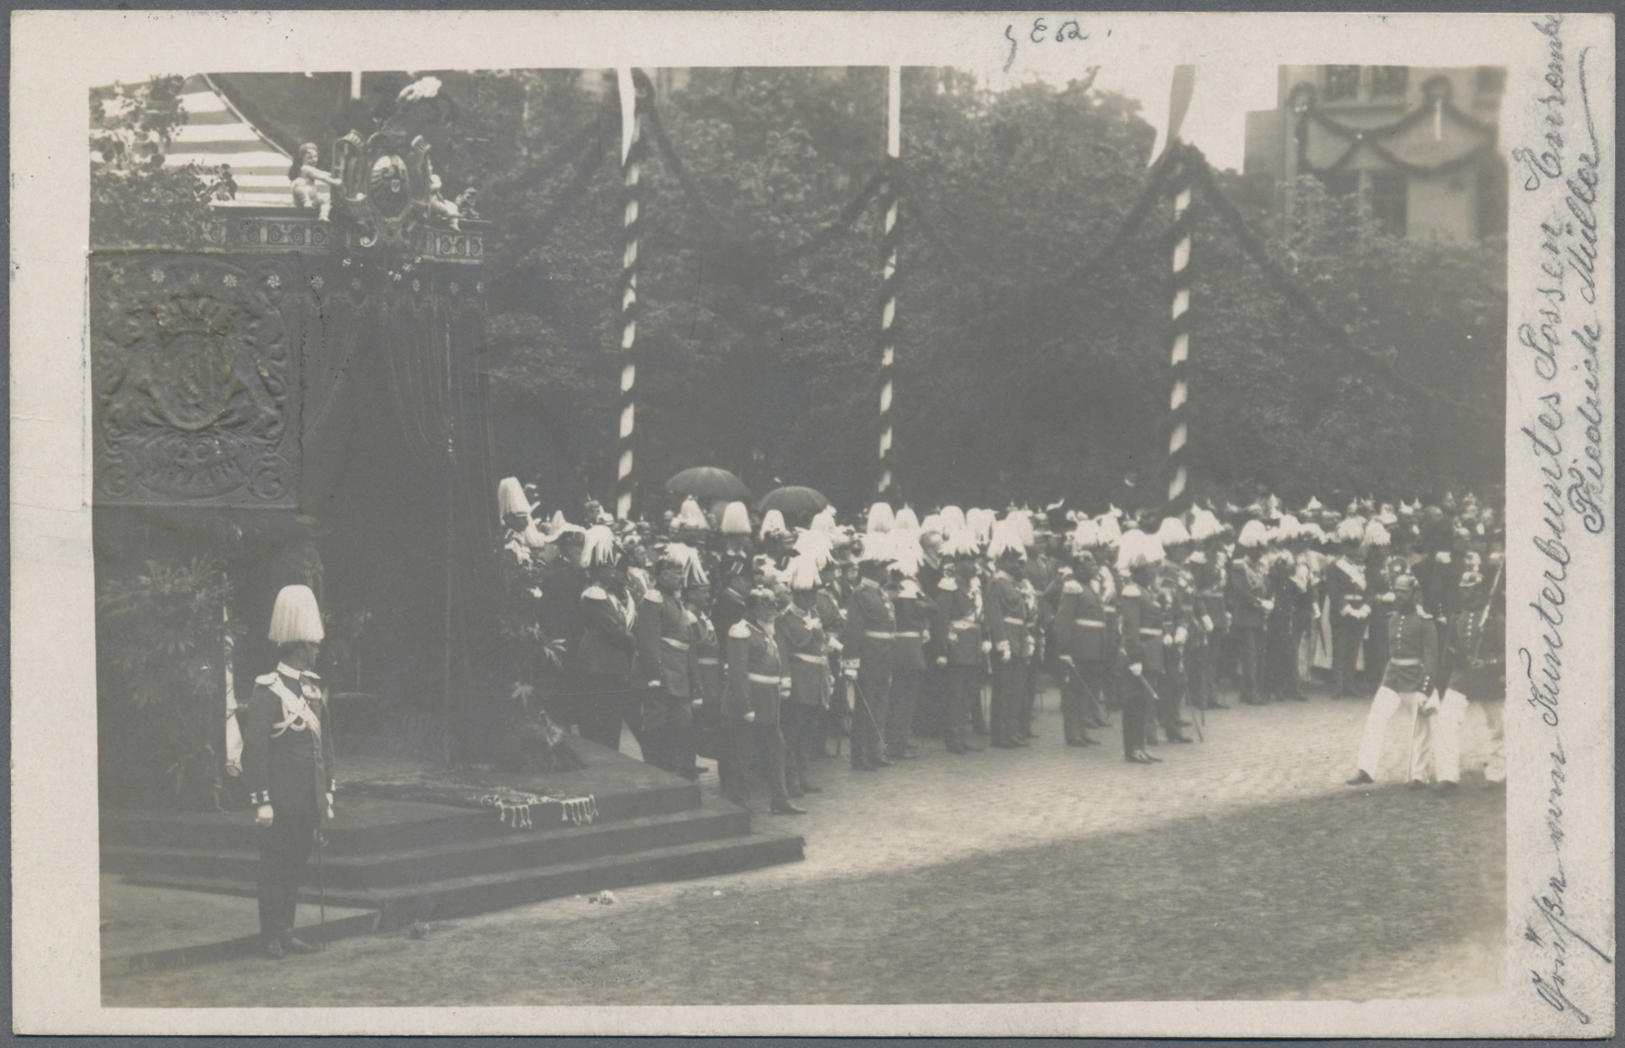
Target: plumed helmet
<point x="1171" y="532"/>
<point x="1111" y="533"/>
<point x="981" y="521"/>
<point x="1350" y="529"/>
<point x="735" y="519"/>
<point x="881" y="518"/>
<point x="1137" y="549"/>
<point x="295" y="618"/>
<point x="691" y="517"/>
<point x="876" y="546"/>
<point x="773" y="524"/>
<point x="815" y="546"/>
<point x="905" y="553"/>
<point x="1254" y="535"/>
<point x="598" y="547"/>
<point x="801" y="573"/>
<point x="953" y="518"/>
<point x="1288" y="529"/>
<point x="1205" y="525"/>
<point x="824" y="520"/>
<point x="511" y="498"/>
<point x="906" y="520"/>
<point x="1085" y="535"/>
<point x="1376" y="534"/>
<point x="1005" y="542"/>
<point x="960" y="542"/>
<point x="1021" y="523"/>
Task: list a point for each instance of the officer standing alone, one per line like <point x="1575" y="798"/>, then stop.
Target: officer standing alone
<point x="288" y="765"/>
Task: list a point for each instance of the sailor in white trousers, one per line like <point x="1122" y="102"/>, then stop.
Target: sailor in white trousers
<point x="1413" y="660"/>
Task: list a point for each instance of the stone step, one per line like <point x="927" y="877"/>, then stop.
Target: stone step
<point x="367" y="823"/>
<point x="462" y="896"/>
<point x="514" y="850"/>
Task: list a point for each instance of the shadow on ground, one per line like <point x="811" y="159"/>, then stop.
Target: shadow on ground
<point x="1363" y="893"/>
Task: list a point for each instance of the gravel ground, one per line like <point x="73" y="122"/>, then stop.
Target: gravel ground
<point x="1384" y="892"/>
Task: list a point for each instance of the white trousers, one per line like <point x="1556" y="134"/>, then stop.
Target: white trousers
<point x="1495" y="769"/>
<point x="1436" y="740"/>
<point x="1384" y="705"/>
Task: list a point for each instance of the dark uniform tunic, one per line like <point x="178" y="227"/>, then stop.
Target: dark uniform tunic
<point x="1248" y="590"/>
<point x="604" y="666"/>
<point x="908" y="665"/>
<point x="1006" y="616"/>
<point x="869" y="636"/>
<point x="662" y="668"/>
<point x="288" y="764"/>
<point x="957" y="629"/>
<point x="755" y="671"/>
<point x="803" y="645"/>
<point x="1082" y="642"/>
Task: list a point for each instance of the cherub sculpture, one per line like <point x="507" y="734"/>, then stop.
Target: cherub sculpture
<point x="311" y="184"/>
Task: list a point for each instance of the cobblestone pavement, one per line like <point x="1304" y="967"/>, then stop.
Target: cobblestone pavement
<point x="943" y="807"/>
<point x="1281" y="882"/>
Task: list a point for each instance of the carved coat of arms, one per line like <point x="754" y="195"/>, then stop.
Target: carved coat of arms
<point x="192" y="372"/>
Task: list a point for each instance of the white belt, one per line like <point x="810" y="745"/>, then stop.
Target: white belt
<point x="1404" y="662"/>
<point x="680" y="645"/>
<point x="1110" y="609"/>
<point x="914" y="634"/>
<point x="816" y="660"/>
<point x="1015" y="621"/>
<point x="1146" y="630"/>
<point x="879" y="634"/>
<point x="963" y="624"/>
<point x="705" y="661"/>
<point x="1089" y="622"/>
<point x="763" y="678"/>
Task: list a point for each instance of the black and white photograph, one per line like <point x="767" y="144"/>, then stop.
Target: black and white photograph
<point x="1084" y="520"/>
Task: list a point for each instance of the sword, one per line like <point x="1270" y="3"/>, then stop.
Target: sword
<point x="321" y="889"/>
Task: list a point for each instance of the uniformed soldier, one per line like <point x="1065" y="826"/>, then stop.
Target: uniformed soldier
<point x="1288" y="588"/>
<point x="1006" y="618"/>
<point x="1249" y="602"/>
<point x="804" y="644"/>
<point x="957" y="626"/>
<point x="1212" y="618"/>
<point x="1082" y="642"/>
<point x="913" y="611"/>
<point x="1473" y="669"/>
<point x="1178" y="586"/>
<point x="1413" y="665"/>
<point x="288" y="765"/>
<point x="867" y="651"/>
<point x="706" y="735"/>
<point x="757" y="682"/>
<point x="1346" y="603"/>
<point x="1140" y="619"/>
<point x="662" y="669"/>
<point x="605" y="652"/>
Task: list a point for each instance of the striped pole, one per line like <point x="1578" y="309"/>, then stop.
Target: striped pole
<point x="1179" y="356"/>
<point x="631" y="161"/>
<point x="888" y="269"/>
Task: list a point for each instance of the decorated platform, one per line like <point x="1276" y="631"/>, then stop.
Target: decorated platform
<point x="412" y="841"/>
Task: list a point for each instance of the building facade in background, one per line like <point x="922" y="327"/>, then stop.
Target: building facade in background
<point x="1416" y="144"/>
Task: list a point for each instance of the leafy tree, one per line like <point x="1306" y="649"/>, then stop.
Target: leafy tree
<point x="135" y="199"/>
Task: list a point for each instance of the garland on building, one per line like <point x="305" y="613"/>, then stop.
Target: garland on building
<point x="1438" y="106"/>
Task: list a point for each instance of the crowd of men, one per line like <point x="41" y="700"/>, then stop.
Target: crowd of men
<point x="728" y="633"/>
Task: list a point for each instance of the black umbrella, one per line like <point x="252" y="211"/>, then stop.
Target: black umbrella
<point x="796" y="503"/>
<point x="708" y="483"/>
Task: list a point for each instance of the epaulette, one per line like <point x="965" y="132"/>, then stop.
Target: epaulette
<point x="948" y="584"/>
<point x="267" y="680"/>
<point x="1197" y="557"/>
<point x="653" y="597"/>
<point x="739" y="630"/>
<point x="1131" y="590"/>
<point x="1071" y="586"/>
<point x="594" y="593"/>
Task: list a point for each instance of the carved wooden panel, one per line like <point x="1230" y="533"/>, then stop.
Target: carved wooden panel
<point x="195" y="371"/>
